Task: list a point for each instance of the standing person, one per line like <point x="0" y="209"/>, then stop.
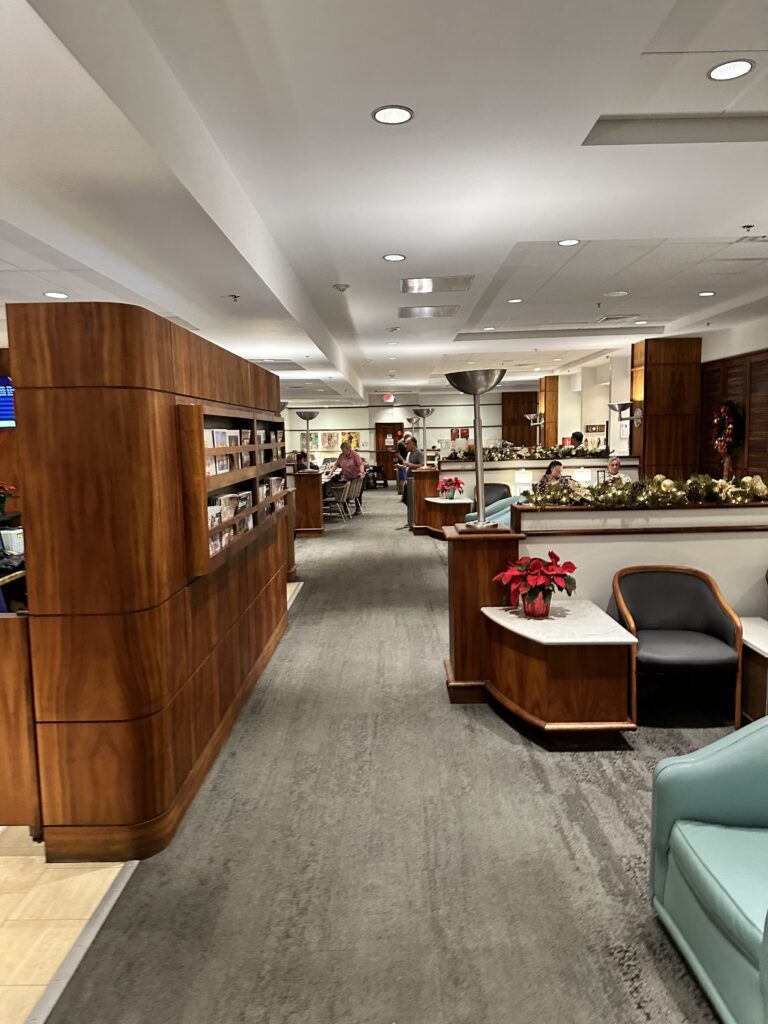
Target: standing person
<point x="577" y="439"/>
<point x="349" y="462"/>
<point x="401" y="452"/>
<point x="413" y="459"/>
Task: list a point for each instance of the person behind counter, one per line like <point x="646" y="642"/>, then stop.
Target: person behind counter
<point x="553" y="475"/>
<point x="302" y="464"/>
<point x="614" y="474"/>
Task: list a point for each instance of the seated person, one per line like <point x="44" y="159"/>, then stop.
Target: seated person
<point x="349" y="462"/>
<point x="577" y="439"/>
<point x="302" y="464"/>
<point x="614" y="474"/>
<point x="553" y="475"/>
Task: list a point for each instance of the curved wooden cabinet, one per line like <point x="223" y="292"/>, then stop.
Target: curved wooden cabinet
<point x="139" y="666"/>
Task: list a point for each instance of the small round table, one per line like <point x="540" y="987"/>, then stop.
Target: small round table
<point x="445" y="512"/>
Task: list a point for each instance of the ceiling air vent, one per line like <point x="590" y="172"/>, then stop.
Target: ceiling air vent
<point x="278" y="365"/>
<point x="425" y="311"/>
<point x="618" y="321"/>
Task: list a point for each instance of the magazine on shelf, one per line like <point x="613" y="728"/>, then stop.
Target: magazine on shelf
<point x="245" y="460"/>
<point x="245" y="436"/>
<point x="233" y="438"/>
<point x="210" y="465"/>
<point x="228" y="504"/>
<point x="244" y="500"/>
<point x="208" y="441"/>
<point x="214" y="545"/>
<point x="263" y="490"/>
<point x="223" y="463"/>
<point x="262" y="436"/>
<point x="219" y="438"/>
<point x="248" y="522"/>
<point x="214" y="516"/>
<point x="281" y="437"/>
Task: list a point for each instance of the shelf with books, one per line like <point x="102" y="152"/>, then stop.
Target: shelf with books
<point x="214" y="440"/>
<point x="243" y="539"/>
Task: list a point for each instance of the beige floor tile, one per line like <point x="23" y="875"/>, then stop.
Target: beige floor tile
<point x="65" y="892"/>
<point x="31" y="951"/>
<point x="15" y="840"/>
<point x="8" y="903"/>
<point x="16" y="1002"/>
<point x="19" y="874"/>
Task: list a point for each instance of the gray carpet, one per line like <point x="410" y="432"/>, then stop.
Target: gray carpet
<point x="365" y="853"/>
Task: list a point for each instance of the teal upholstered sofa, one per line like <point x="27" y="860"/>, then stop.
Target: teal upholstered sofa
<point x="709" y="867"/>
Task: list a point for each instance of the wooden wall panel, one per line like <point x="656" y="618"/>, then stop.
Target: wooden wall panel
<point x="107" y="533"/>
<point x="309" y="503"/>
<point x="88" y="344"/>
<point x="206" y="371"/>
<point x="742" y="379"/>
<point x="110" y="667"/>
<point x="142" y="764"/>
<point x="19" y="802"/>
<point x="548" y="405"/>
<point x="515" y="428"/>
<point x="669" y="372"/>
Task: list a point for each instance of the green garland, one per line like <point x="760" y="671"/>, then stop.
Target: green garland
<point x="658" y="492"/>
<point x="506" y="452"/>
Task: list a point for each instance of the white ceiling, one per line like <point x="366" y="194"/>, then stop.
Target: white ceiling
<point x="186" y="149"/>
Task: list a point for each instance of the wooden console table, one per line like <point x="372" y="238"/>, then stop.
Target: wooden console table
<point x="442" y="512"/>
<point x="567" y="672"/>
<point x="755" y="668"/>
<point x="309" y="503"/>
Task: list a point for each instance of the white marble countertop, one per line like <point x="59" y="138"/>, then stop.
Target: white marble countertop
<point x="571" y="622"/>
<point x="756" y="635"/>
<point x="450" y="501"/>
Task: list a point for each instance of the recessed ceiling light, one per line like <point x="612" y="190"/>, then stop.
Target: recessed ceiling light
<point x="731" y="69"/>
<point x="536" y="368"/>
<point x="569" y="241"/>
<point x="557" y="359"/>
<point x="640" y="323"/>
<point x="394" y="257"/>
<point x="489" y="328"/>
<point x="514" y="300"/>
<point x="706" y="295"/>
<point x="392" y="330"/>
<point x="392" y="113"/>
<point x="392" y="359"/>
<point x="390" y="344"/>
<point x="470" y="362"/>
<point x="56" y="295"/>
<point x="614" y="295"/>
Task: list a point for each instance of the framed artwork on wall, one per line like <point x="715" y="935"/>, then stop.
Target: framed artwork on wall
<point x="330" y="440"/>
<point x="352" y="437"/>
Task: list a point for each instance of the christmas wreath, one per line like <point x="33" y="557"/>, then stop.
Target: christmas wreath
<point x="727" y="428"/>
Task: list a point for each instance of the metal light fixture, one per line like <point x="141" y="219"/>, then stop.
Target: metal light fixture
<point x="476" y="383"/>
<point x="536" y="419"/>
<point x="422" y="414"/>
<point x="623" y="411"/>
<point x="283" y="406"/>
<point x="307" y="415"/>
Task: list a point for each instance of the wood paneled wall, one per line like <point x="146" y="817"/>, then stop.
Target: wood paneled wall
<point x="138" y="672"/>
<point x="515" y="428"/>
<point x="9" y="470"/>
<point x="548" y="405"/>
<point x="742" y="379"/>
<point x="666" y="383"/>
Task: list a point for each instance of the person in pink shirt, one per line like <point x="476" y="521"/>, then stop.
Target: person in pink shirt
<point x="349" y="462"/>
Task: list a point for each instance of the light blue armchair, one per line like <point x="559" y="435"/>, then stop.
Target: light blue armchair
<point x="709" y="867"/>
<point x="498" y="512"/>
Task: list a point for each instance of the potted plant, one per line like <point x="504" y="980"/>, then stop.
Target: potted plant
<point x="727" y="434"/>
<point x="6" y="491"/>
<point x="447" y="488"/>
<point x="535" y="580"/>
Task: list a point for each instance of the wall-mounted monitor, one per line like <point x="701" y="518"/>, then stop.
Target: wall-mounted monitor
<point x="7" y="414"/>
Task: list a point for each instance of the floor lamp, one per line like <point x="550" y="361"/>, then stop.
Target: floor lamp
<point x="307" y="415"/>
<point x="422" y="415"/>
<point x="536" y="420"/>
<point x="476" y="383"/>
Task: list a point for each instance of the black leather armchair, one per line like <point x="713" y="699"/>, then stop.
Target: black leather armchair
<point x="493" y="493"/>
<point x="681" y="621"/>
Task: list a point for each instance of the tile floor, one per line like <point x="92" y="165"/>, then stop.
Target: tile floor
<point x="43" y="910"/>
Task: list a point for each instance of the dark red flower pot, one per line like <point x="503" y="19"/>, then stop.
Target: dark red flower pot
<point x="537" y="607"/>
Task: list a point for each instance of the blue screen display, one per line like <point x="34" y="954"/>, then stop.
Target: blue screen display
<point x="7" y="415"/>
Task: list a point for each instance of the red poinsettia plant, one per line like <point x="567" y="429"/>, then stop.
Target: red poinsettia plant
<point x="7" y="491"/>
<point x="535" y="580"/>
<point x="450" y="485"/>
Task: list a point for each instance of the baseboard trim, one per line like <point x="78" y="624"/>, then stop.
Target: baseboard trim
<point x="464" y="691"/>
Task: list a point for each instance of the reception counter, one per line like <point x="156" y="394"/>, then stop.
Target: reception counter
<point x="522" y="475"/>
